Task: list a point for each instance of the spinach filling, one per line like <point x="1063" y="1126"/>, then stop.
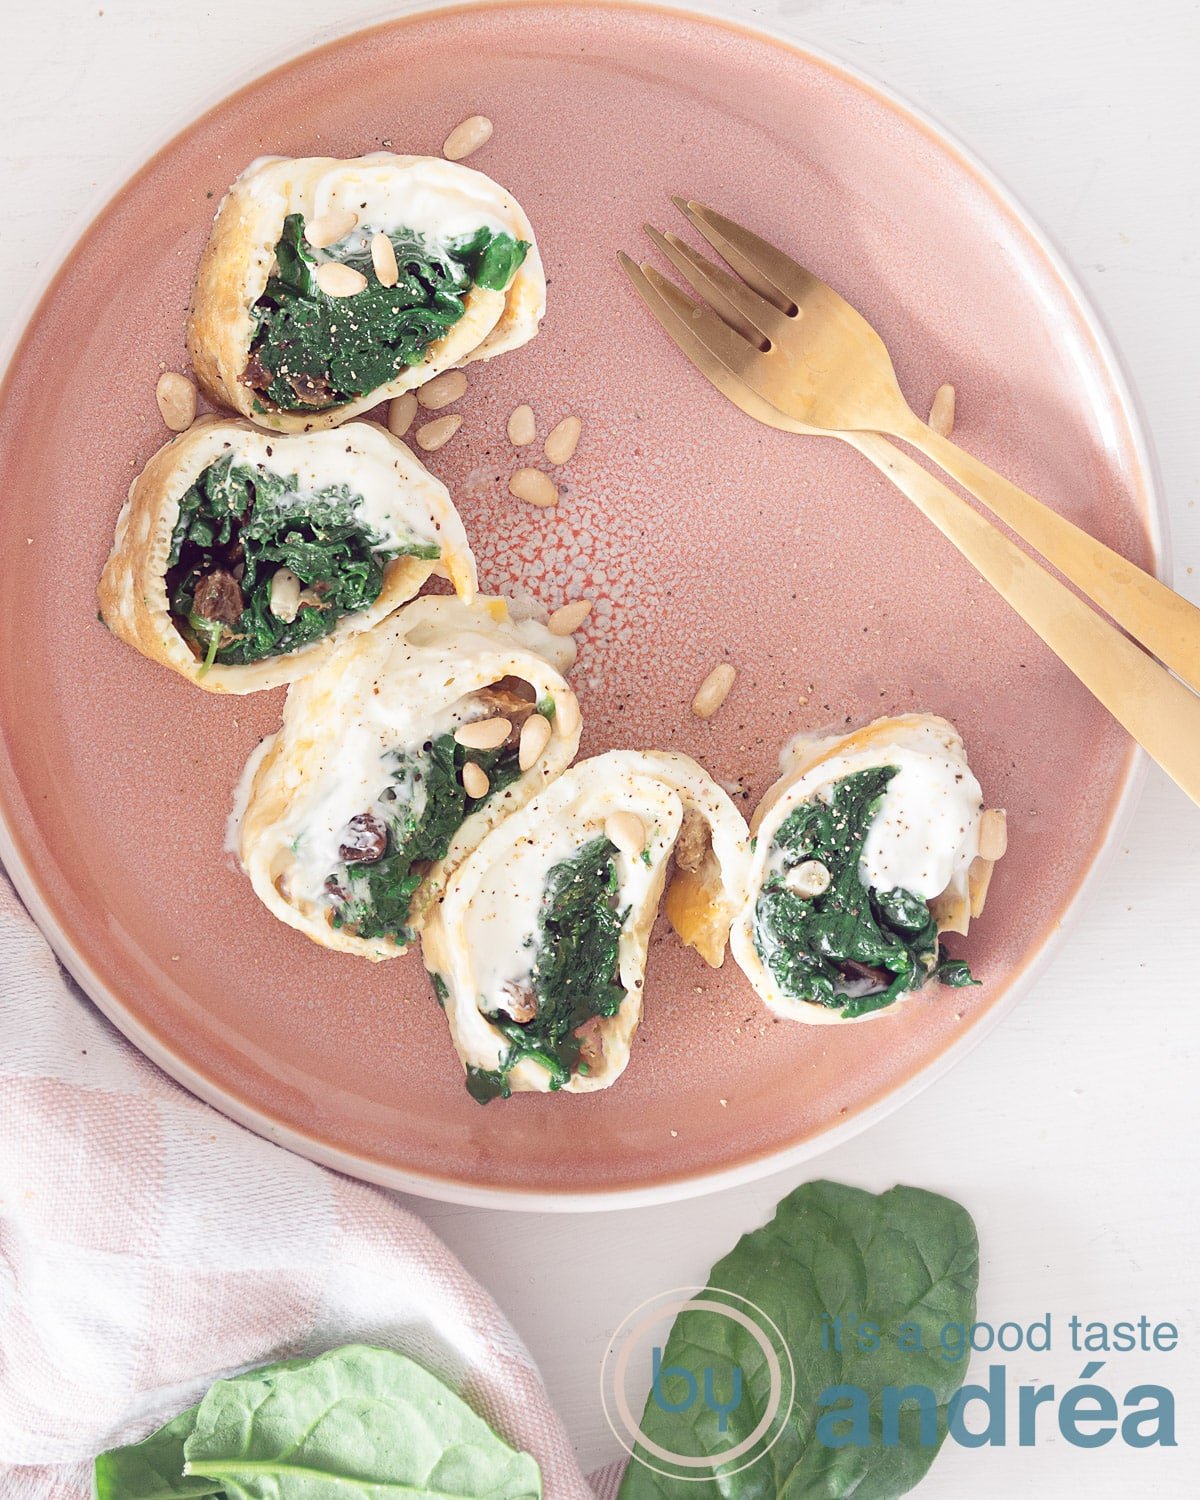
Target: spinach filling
<point x="310" y="350"/>
<point x="850" y="948"/>
<point x="388" y="850"/>
<point x="237" y="527"/>
<point x="574" y="977"/>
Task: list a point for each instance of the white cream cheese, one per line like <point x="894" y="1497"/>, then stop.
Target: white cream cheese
<point x="926" y="831"/>
<point x="347" y="728"/>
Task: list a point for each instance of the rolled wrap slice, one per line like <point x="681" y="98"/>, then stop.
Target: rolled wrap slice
<point x="538" y="945"/>
<point x="867" y="849"/>
<point x="351" y="816"/>
<point x="242" y="559"/>
<point x="434" y="265"/>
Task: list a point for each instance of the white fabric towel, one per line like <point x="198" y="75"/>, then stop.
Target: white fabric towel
<point x="148" y="1246"/>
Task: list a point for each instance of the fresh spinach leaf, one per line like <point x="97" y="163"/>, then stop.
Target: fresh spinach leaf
<point x="851" y="949"/>
<point x="236" y="527"/>
<point x="421" y="812"/>
<point x="357" y="1421"/>
<point x="575" y="971"/>
<point x="311" y="350"/>
<point x="153" y="1468"/>
<point x="905" y="1262"/>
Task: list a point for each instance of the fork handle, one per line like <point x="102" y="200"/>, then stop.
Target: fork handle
<point x="1161" y="714"/>
<point x="1164" y="622"/>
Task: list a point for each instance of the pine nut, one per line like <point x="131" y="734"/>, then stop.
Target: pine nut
<point x="401" y="411"/>
<point x="713" y="691"/>
<point x="337" y="280"/>
<point x="327" y="229"/>
<point x="563" y="440"/>
<point x="567" y="717"/>
<point x="534" y="486"/>
<point x="535" y="736"/>
<point x="522" y="427"/>
<point x="285" y="595"/>
<point x="993" y="834"/>
<point x="483" y="734"/>
<point x="941" y="413"/>
<point x="475" y="780"/>
<point x="383" y="258"/>
<point x="442" y="390"/>
<point x="626" y="830"/>
<point x="467" y="137"/>
<point x="979" y="878"/>
<point x="436" y="434"/>
<point x="810" y="878"/>
<point x="568" y="619"/>
<point x="176" y="397"/>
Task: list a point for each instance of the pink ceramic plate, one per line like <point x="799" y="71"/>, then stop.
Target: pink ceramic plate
<point x="701" y="535"/>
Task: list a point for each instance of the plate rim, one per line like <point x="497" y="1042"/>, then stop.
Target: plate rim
<point x="751" y="1169"/>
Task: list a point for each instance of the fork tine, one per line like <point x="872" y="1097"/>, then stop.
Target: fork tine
<point x="701" y="327"/>
<point x="682" y="321"/>
<point x="768" y="270"/>
<point x="756" y="319"/>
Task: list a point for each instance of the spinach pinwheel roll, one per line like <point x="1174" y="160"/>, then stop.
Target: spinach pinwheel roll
<point x="242" y="559"/>
<point x="328" y="286"/>
<point x="393" y="760"/>
<point x="538" y="946"/>
<point x="868" y="847"/>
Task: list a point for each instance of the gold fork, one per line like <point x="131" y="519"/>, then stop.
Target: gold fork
<point x="793" y="354"/>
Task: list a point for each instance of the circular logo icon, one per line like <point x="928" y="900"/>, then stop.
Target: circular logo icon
<point x="710" y="1374"/>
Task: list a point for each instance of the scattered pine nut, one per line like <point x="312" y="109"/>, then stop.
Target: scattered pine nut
<point x="383" y="258"/>
<point x="483" y="734"/>
<point x="442" y="390"/>
<point x="327" y="229"/>
<point x="993" y="834"/>
<point x="626" y="830"/>
<point x="941" y="413"/>
<point x="467" y="137"/>
<point x="522" y="427"/>
<point x="436" y="434"/>
<point x="535" y="736"/>
<point x="338" y="280"/>
<point x="475" y="780"/>
<point x="401" y="411"/>
<point x="563" y="440"/>
<point x="534" y="486"/>
<point x="713" y="691"/>
<point x="568" y="619"/>
<point x="176" y="397"/>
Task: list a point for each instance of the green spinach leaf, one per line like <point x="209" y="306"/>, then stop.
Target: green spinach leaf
<point x="574" y="975"/>
<point x="236" y="527"/>
<point x="311" y="350"/>
<point x="358" y="1421"/>
<point x="851" y="949"/>
<point x="153" y="1468"/>
<point x="906" y="1262"/>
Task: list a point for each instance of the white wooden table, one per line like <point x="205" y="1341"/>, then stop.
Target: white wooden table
<point x="1072" y="1133"/>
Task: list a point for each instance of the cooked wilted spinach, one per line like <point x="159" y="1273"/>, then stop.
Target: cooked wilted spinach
<point x="851" y="949"/>
<point x="237" y="526"/>
<point x="310" y="350"/>
<point x="420" y="812"/>
<point x="574" y="975"/>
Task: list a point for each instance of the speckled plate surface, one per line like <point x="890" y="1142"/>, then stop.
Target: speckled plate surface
<point x="700" y="534"/>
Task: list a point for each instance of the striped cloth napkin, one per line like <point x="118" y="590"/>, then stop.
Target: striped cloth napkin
<point x="148" y="1246"/>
